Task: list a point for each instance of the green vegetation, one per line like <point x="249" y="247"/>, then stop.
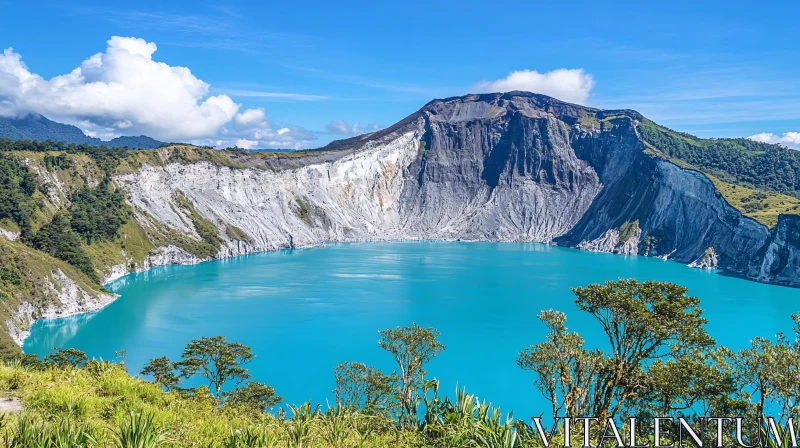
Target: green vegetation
<point x="236" y="233"/>
<point x="22" y="273"/>
<point x="422" y="149"/>
<point x="208" y="232"/>
<point x="57" y="162"/>
<point x="58" y="239"/>
<point x="627" y="230"/>
<point x="96" y="214"/>
<point x="760" y="205"/>
<point x="131" y="238"/>
<point x="760" y="165"/>
<point x="589" y="120"/>
<point x="310" y="213"/>
<point x="17" y="187"/>
<point x="359" y="386"/>
<point x="660" y="361"/>
<point x="732" y="164"/>
<point x="106" y="158"/>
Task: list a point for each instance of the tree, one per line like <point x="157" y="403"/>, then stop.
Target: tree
<point x="59" y="240"/>
<point x="253" y="395"/>
<point x="655" y="332"/>
<point x="361" y="387"/>
<point x="163" y="372"/>
<point x="644" y="321"/>
<point x="216" y="359"/>
<point x="701" y="380"/>
<point x="412" y="347"/>
<point x="566" y="371"/>
<point x="769" y="372"/>
<point x="66" y="357"/>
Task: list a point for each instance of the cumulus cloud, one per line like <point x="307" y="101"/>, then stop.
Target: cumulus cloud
<point x="571" y="85"/>
<point x="125" y="89"/>
<point x="251" y="117"/>
<point x="341" y="127"/>
<point x="790" y="139"/>
<point x="245" y="143"/>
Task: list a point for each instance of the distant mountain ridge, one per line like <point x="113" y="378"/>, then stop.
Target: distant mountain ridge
<point x="39" y="127"/>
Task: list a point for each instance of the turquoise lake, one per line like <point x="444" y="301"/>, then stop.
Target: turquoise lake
<point x="304" y="311"/>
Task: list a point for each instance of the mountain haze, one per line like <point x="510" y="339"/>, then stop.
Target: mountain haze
<point x="38" y="127"/>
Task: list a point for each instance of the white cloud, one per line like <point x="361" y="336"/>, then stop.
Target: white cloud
<point x="790" y="139"/>
<point x="124" y="88"/>
<point x="262" y="137"/>
<point x="342" y="128"/>
<point x="571" y="85"/>
<point x="245" y="143"/>
<point x="251" y="117"/>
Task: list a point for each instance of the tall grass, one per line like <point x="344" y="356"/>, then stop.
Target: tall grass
<point x="140" y="431"/>
<point x="103" y="406"/>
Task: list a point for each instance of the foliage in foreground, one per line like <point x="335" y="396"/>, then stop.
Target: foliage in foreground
<point x="658" y="361"/>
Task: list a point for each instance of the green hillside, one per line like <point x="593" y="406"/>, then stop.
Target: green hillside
<point x="759" y="179"/>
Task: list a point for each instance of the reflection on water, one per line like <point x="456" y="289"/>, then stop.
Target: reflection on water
<point x="54" y="332"/>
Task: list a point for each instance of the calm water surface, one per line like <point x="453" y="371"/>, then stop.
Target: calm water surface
<point x="304" y="311"/>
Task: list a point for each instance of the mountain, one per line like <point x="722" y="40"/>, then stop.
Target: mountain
<point x="495" y="167"/>
<point x="134" y="142"/>
<point x="38" y="127"/>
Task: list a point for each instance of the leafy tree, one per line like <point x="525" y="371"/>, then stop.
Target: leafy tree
<point x="412" y="348"/>
<point x="701" y="380"/>
<point x="66" y="357"/>
<point x="644" y="321"/>
<point x="216" y="359"/>
<point x="253" y="395"/>
<point x="59" y="161"/>
<point x="566" y="371"/>
<point x="163" y="372"/>
<point x="366" y="388"/>
<point x="769" y="372"/>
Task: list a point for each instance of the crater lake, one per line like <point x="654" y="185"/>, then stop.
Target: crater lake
<point x="304" y="311"/>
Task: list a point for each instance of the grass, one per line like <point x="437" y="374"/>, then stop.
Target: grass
<point x="627" y="230"/>
<point x="102" y="405"/>
<point x="589" y="120"/>
<point x="237" y="234"/>
<point x="207" y="230"/>
<point x="763" y="206"/>
<point x="24" y="277"/>
<point x="310" y="214"/>
<point x="132" y="240"/>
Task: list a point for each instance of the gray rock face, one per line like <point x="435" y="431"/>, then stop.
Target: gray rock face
<point x="500" y="167"/>
<point x="486" y="172"/>
<point x="495" y="167"/>
<point x="779" y="260"/>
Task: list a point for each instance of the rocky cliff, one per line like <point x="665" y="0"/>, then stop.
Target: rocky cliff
<point x="498" y="167"/>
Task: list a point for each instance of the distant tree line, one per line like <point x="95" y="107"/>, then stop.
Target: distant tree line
<point x="740" y="160"/>
<point x="107" y="158"/>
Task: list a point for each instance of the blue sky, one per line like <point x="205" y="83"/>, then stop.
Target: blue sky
<point x="299" y="74"/>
